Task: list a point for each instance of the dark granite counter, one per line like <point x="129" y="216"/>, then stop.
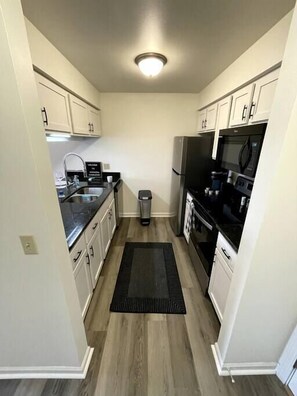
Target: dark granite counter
<point x="232" y="233"/>
<point x="77" y="216"/>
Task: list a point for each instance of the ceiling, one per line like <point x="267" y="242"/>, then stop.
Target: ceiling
<point x="200" y="38"/>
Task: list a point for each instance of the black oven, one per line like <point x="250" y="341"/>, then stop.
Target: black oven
<point x="239" y="148"/>
<point x="202" y="244"/>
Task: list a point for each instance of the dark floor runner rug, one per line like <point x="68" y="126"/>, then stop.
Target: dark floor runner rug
<point x="148" y="280"/>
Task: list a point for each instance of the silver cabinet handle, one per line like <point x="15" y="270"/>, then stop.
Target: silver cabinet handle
<point x="88" y="259"/>
<point x="43" y="110"/>
<point x="95" y="225"/>
<point x="244" y="112"/>
<point x="92" y="251"/>
<point x="205" y="123"/>
<point x="90" y="128"/>
<point x="251" y="115"/>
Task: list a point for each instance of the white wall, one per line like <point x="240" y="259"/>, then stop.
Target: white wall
<point x="48" y="59"/>
<point x="41" y="330"/>
<point x="138" y="141"/>
<point x="262" y="55"/>
<point x="261" y="309"/>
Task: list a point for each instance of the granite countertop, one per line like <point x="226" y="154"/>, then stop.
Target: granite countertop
<point x="232" y="233"/>
<point x="77" y="216"/>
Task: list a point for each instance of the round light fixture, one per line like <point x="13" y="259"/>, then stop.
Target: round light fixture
<point x="150" y="63"/>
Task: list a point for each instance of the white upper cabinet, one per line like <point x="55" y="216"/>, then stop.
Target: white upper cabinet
<point x="263" y="97"/>
<point x="80" y="117"/>
<point x="252" y="104"/>
<point x="85" y="119"/>
<point x="241" y="106"/>
<point x="54" y="106"/>
<point x="224" y="107"/>
<point x="207" y="118"/>
<point x="95" y="121"/>
<point x="201" y="120"/>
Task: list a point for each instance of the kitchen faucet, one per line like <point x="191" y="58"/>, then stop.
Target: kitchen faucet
<point x="65" y="167"/>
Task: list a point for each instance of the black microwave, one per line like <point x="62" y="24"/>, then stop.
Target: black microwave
<point x="239" y="148"/>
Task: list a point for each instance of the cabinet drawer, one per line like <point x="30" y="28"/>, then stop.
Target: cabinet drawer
<point x="92" y="228"/>
<point x="227" y="252"/>
<point x="78" y="251"/>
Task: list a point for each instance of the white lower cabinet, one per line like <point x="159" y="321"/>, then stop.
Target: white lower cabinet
<point x="112" y="218"/>
<point x="88" y="254"/>
<point x="83" y="282"/>
<point x="105" y="238"/>
<point x="221" y="275"/>
<point x="107" y="227"/>
<point x="95" y="257"/>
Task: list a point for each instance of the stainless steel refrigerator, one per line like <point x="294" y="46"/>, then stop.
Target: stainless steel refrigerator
<point x="191" y="167"/>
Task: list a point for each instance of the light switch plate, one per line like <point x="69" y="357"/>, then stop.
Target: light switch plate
<point x="29" y="244"/>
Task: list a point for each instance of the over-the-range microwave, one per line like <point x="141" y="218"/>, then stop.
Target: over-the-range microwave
<point x="239" y="148"/>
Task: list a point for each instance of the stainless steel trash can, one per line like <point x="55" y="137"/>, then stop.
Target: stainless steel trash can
<point x="145" y="199"/>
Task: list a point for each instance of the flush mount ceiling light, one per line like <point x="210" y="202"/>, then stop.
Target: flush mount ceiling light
<point x="150" y="63"/>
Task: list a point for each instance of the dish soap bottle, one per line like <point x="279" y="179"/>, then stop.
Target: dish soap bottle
<point x="76" y="181"/>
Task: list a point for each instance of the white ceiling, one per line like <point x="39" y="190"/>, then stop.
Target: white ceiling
<point x="200" y="38"/>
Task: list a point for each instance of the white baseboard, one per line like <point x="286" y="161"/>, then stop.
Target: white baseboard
<point x="257" y="368"/>
<point x="154" y="214"/>
<point x="49" y="371"/>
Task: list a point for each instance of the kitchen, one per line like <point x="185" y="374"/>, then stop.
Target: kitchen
<point x="182" y="111"/>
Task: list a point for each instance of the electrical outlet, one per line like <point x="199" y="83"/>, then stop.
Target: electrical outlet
<point x="29" y="244"/>
<point x="106" y="166"/>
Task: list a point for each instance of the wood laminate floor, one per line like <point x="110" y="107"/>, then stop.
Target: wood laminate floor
<point x="149" y="354"/>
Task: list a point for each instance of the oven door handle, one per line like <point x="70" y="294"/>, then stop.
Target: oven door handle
<point x="207" y="225"/>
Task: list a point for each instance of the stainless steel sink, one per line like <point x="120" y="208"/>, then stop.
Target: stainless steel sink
<point x="90" y="190"/>
<point x="82" y="198"/>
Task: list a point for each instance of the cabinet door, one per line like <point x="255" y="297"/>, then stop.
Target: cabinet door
<point x="241" y="106"/>
<point x="80" y="116"/>
<point x="96" y="258"/>
<point x="201" y="120"/>
<point x="293" y="383"/>
<point x="54" y="105"/>
<point x="224" y="107"/>
<point x="105" y="233"/>
<point x="83" y="283"/>
<point x="263" y="97"/>
<point x="95" y="121"/>
<point x="211" y="117"/>
<point x="219" y="285"/>
<point x="112" y="219"/>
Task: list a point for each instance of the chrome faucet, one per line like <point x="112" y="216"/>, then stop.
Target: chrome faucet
<point x="65" y="167"/>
